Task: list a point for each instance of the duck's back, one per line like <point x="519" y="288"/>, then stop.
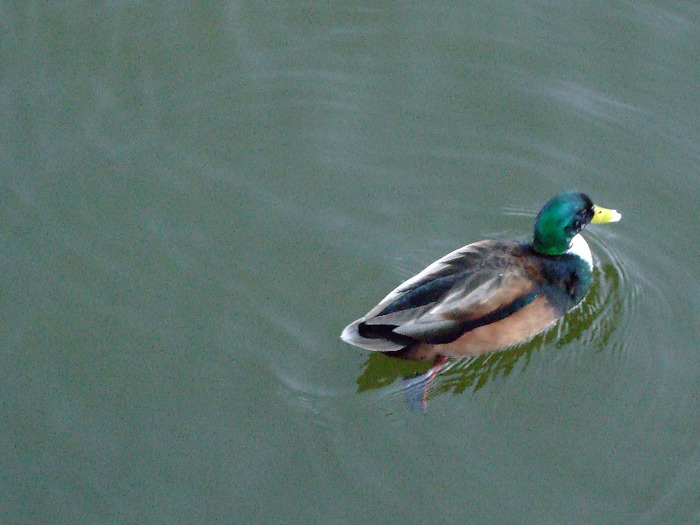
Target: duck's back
<point x="480" y="298"/>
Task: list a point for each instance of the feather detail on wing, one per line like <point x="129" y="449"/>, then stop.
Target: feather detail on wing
<point x="475" y="285"/>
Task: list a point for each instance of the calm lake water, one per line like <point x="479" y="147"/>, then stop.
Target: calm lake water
<point x="197" y="198"/>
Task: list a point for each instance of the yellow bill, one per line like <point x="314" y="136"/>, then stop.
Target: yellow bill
<point x="604" y="215"/>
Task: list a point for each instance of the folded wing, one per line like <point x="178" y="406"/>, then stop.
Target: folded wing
<point x="470" y="287"/>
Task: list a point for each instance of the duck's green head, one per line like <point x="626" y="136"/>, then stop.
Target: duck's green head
<point x="563" y="217"/>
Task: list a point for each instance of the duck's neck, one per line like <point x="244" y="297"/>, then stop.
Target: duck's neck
<point x="579" y="247"/>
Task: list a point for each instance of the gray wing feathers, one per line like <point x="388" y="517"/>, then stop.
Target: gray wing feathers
<point x="483" y="289"/>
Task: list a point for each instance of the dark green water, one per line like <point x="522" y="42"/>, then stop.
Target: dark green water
<point x="195" y="199"/>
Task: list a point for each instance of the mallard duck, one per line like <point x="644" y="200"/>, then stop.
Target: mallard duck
<point x="488" y="295"/>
